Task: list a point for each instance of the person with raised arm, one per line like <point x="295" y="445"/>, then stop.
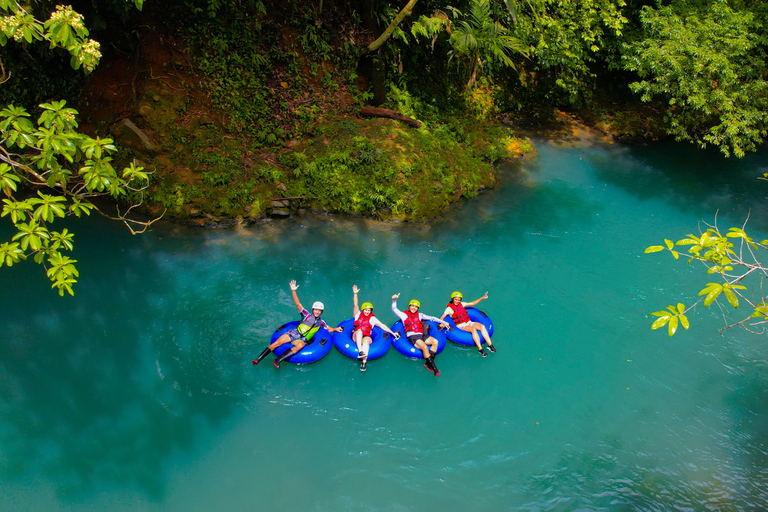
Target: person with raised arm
<point x="456" y="310"/>
<point x="310" y="324"/>
<point x="417" y="331"/>
<point x="365" y="321"/>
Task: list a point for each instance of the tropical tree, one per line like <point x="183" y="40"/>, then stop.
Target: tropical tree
<point x="48" y="170"/>
<point x="478" y="42"/>
<point x="709" y="64"/>
<point x="568" y="41"/>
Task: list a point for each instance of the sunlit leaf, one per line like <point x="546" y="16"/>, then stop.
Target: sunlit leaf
<point x="712" y="296"/>
<point x="673" y="322"/>
<point x="661" y="322"/>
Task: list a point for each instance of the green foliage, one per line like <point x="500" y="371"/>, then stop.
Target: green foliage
<point x="480" y="100"/>
<point x="51" y="155"/>
<point x="709" y="64"/>
<point x="732" y="262"/>
<point x="479" y="42"/>
<point x="387" y="170"/>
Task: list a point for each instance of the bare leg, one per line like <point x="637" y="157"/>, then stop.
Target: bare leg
<point x="485" y="334"/>
<point x="282" y="340"/>
<point x="366" y="344"/>
<point x="476" y="339"/>
<point x="433" y="345"/>
<point x="423" y="347"/>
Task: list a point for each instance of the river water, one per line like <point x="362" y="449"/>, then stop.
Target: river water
<point x="138" y="393"/>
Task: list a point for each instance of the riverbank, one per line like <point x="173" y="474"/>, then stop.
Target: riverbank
<point x="312" y="153"/>
<point x="228" y="141"/>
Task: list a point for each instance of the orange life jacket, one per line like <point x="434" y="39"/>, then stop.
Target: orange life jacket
<point x="412" y="323"/>
<point x="364" y="323"/>
<point x="459" y="314"/>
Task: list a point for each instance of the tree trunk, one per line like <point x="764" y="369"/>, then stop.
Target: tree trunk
<point x="370" y="65"/>
<point x="391" y="114"/>
<point x="392" y="26"/>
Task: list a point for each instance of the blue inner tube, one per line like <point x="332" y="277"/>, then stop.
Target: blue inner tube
<point x="463" y="337"/>
<point x="313" y="351"/>
<point x="404" y="346"/>
<point x="343" y="341"/>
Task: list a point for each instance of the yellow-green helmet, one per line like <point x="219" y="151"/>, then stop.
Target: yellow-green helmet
<point x="456" y="294"/>
<point x="414" y="302"/>
<point x="366" y="305"/>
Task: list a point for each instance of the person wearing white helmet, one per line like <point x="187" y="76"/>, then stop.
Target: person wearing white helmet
<point x="310" y="324"/>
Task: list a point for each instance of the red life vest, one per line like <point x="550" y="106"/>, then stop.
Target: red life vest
<point x="412" y="323"/>
<point x="459" y="314"/>
<point x="364" y="323"/>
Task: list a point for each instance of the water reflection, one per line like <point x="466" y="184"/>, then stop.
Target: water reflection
<point x="104" y="386"/>
<point x="696" y="181"/>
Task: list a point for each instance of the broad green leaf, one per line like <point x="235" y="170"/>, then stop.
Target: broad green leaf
<point x="661" y="322"/>
<point x="732" y="298"/>
<point x="673" y="322"/>
<point x="669" y="243"/>
<point x="680" y="308"/>
<point x="712" y="296"/>
<point x="684" y="321"/>
<point x="654" y="248"/>
<point x="708" y="289"/>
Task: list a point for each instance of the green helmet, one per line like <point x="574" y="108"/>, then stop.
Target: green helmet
<point x="457" y="294"/>
<point x="414" y="302"/>
<point x="366" y="305"/>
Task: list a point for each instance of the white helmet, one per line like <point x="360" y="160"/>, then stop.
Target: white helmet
<point x="318" y="305"/>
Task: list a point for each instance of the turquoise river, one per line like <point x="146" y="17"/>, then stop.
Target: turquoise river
<point x="138" y="393"/>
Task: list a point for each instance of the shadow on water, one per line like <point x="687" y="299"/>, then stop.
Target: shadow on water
<point x="87" y="395"/>
<point x="696" y="181"/>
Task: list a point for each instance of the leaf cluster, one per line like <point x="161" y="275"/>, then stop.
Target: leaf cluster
<point x="731" y="262"/>
<point x="50" y="154"/>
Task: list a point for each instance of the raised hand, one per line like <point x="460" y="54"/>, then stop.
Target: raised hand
<point x="355" y="289"/>
<point x="395" y="296"/>
<point x="294" y="286"/>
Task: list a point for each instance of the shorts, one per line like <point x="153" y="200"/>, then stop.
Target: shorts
<point x="294" y="335"/>
<point x="413" y="338"/>
<point x="465" y="324"/>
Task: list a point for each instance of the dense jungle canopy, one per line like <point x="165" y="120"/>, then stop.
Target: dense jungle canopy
<point x="224" y="109"/>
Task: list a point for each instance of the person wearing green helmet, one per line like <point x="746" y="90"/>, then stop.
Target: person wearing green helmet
<point x="455" y="310"/>
<point x="310" y="323"/>
<point x="417" y="331"/>
<point x="365" y="321"/>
